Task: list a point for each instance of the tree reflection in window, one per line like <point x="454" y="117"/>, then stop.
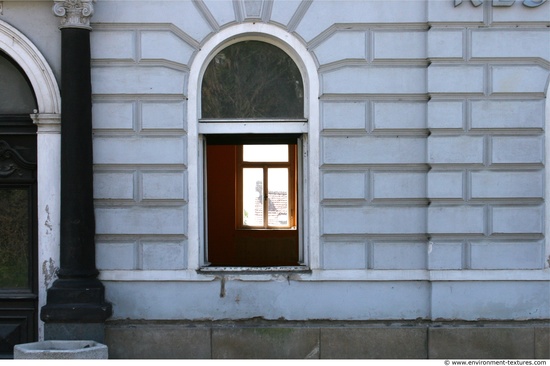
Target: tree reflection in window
<point x="252" y="79"/>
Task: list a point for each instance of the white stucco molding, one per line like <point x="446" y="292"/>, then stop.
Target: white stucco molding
<point x="47" y="123"/>
<point x="358" y="275"/>
<point x="74" y="13"/>
<point x="305" y="62"/>
<point x="547" y="176"/>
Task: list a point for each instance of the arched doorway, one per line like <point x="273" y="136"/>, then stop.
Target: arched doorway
<point x="18" y="209"/>
<point x="30" y="165"/>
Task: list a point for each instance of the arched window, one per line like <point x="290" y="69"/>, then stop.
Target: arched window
<point x="252" y="79"/>
<point x="252" y="179"/>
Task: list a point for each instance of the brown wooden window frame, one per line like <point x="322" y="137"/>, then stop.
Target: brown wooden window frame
<point x="290" y="165"/>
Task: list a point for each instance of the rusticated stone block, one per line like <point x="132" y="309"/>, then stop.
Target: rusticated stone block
<point x="266" y="343"/>
<point x="479" y="343"/>
<point x="374" y="343"/>
<point x="158" y="341"/>
<point x="542" y="342"/>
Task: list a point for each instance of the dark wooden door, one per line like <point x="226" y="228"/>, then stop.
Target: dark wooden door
<point x="18" y="233"/>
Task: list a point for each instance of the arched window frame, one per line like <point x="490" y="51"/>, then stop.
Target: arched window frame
<point x="308" y="128"/>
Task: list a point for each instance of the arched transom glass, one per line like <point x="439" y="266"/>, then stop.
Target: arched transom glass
<point x="252" y="80"/>
<point x="16" y="94"/>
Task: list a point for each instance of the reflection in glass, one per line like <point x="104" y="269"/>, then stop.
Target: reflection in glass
<point x="277" y="179"/>
<point x="14" y="238"/>
<point x="265" y="153"/>
<point x="252" y="79"/>
<point x="253" y="197"/>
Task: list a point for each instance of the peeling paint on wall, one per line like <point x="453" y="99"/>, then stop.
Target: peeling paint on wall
<point x="48" y="222"/>
<point x="49" y="270"/>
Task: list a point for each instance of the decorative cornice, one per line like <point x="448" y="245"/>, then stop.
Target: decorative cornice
<point x="74" y="13"/>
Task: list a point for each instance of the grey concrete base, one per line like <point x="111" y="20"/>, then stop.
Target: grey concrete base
<point x="482" y="343"/>
<point x="265" y="342"/>
<point x="542" y="343"/>
<point x="160" y="341"/>
<point x="327" y="340"/>
<point x="60" y="350"/>
<point x="374" y="342"/>
<point x="75" y="331"/>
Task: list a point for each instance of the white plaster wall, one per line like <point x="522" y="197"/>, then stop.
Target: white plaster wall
<point x="273" y="299"/>
<point x="431" y="164"/>
<point x="497" y="115"/>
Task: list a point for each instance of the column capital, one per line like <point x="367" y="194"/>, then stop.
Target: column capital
<point x="74" y="13"/>
<point x="47" y="122"/>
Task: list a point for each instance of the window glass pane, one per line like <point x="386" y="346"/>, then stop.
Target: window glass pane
<point x="265" y="153"/>
<point x="253" y="188"/>
<point x="277" y="180"/>
<point x="252" y="79"/>
<point x="14" y="237"/>
<point x="16" y="94"/>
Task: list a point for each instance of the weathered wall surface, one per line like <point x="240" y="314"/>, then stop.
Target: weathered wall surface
<point x="431" y="158"/>
<point x="332" y="340"/>
<point x="431" y="161"/>
<point x="486" y="118"/>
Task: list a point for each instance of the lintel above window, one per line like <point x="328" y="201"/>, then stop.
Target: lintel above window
<point x="252" y="139"/>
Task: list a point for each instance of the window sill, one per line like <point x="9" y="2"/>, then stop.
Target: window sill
<point x="273" y="228"/>
<point x="254" y="270"/>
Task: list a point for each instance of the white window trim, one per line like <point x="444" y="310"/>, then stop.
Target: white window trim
<point x="547" y="179"/>
<point x="195" y="143"/>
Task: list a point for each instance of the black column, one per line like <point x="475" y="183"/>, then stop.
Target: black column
<point x="76" y="300"/>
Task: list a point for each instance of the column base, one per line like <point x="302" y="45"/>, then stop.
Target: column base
<point x="75" y="331"/>
<point x="76" y="300"/>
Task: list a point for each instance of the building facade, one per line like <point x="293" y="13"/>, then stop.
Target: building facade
<point x="416" y="220"/>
